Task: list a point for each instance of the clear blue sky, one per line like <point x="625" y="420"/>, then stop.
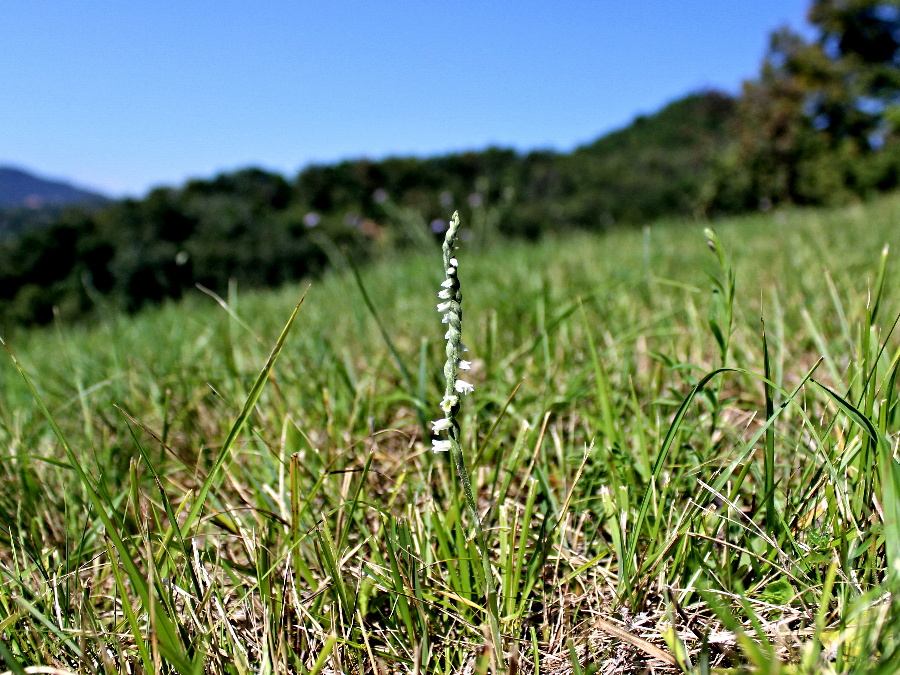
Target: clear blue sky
<point x="125" y="95"/>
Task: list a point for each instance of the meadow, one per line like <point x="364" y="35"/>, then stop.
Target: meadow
<point x="682" y="445"/>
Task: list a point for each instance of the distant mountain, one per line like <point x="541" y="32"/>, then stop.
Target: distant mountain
<point x="21" y="189"/>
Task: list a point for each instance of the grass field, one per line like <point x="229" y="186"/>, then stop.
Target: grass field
<point x="663" y="485"/>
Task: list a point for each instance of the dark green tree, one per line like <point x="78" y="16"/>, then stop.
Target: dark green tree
<point x="819" y="124"/>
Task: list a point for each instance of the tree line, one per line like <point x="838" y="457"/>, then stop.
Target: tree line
<point x="820" y="125"/>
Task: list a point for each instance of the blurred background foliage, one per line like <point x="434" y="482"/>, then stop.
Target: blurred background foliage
<point x="820" y="125"/>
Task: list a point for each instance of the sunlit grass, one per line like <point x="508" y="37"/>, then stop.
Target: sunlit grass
<point x="661" y="481"/>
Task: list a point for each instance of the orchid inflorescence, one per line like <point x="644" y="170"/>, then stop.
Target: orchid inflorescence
<point x="450" y="308"/>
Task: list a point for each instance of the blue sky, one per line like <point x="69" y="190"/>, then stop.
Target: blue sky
<point x="124" y="96"/>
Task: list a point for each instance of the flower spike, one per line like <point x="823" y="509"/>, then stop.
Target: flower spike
<point x="450" y="404"/>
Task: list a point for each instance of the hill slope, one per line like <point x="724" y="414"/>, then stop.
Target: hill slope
<point x="326" y="502"/>
<point x="262" y="229"/>
<point x="22" y="189"/>
<point x="659" y="164"/>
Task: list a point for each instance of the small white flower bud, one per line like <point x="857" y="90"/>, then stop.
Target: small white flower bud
<point x="440" y="425"/>
<point x="440" y="446"/>
<point x="464" y="387"/>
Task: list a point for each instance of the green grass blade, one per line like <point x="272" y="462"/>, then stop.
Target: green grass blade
<point x="213" y="476"/>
